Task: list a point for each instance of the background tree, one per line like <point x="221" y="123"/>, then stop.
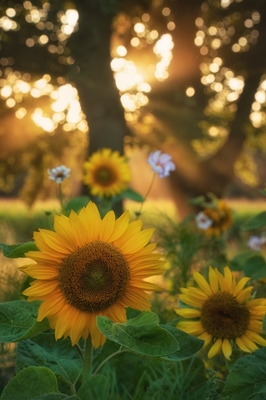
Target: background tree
<point x="200" y="117"/>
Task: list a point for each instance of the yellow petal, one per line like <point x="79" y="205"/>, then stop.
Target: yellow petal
<point x="191" y="301"/>
<point x="206" y="337"/>
<point x="52" y="241"/>
<point x="226" y="349"/>
<point x="77" y="229"/>
<point x="43" y="273"/>
<point x="51" y="306"/>
<point x="240" y="285"/>
<point x="91" y="220"/>
<point x="121" y="224"/>
<point x="107" y="228"/>
<point x="41" y="288"/>
<point x="194" y="328"/>
<point x="228" y="279"/>
<point x="216" y="347"/>
<point x="242" y="346"/>
<point x="255" y="325"/>
<point x="248" y="343"/>
<point x="213" y="279"/>
<point x="244" y="295"/>
<point x="197" y="293"/>
<point x="188" y="312"/>
<point x="203" y="284"/>
<point x="255" y="338"/>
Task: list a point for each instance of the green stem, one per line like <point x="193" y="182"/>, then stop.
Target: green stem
<point x="87" y="360"/>
<point x="60" y="195"/>
<point x="109" y="358"/>
<point x="138" y="213"/>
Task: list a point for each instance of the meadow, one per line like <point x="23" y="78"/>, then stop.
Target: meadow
<point x="185" y="251"/>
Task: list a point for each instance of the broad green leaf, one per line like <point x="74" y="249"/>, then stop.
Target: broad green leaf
<point x="130" y="194"/>
<point x="17" y="250"/>
<point x="59" y="356"/>
<point x="95" y="388"/>
<point x="247" y="377"/>
<point x="75" y="204"/>
<point x="18" y="320"/>
<point x="189" y="345"/>
<point x="142" y="335"/>
<point x="255" y="222"/>
<point x="255" y="267"/>
<point x="238" y="262"/>
<point x="56" y="396"/>
<point x="30" y="384"/>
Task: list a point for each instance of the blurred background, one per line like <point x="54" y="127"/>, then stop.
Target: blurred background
<point x="185" y="77"/>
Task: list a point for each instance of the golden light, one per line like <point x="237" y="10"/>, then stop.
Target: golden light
<point x="190" y="91"/>
<point x="226" y="3"/>
<point x="6" y="91"/>
<point x="213" y="131"/>
<point x="139" y="28"/>
<point x="260" y="96"/>
<point x="166" y="11"/>
<point x="135" y="42"/>
<point x="21" y="112"/>
<point x="171" y="26"/>
<point x="121" y="51"/>
<point x="10" y="12"/>
<point x="43" y="121"/>
<point x="10" y="103"/>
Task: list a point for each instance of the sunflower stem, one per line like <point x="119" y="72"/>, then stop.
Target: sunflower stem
<point x="108" y="358"/>
<point x="87" y="360"/>
<point x="138" y="213"/>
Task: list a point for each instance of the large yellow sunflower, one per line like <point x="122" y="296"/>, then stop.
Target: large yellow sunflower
<point x="223" y="313"/>
<point x="89" y="267"/>
<point x="106" y="173"/>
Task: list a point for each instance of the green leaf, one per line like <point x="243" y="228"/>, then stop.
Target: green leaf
<point x="95" y="388"/>
<point x="130" y="194"/>
<point x="30" y="384"/>
<point x="189" y="345"/>
<point x="18" y="320"/>
<point x="55" y="396"/>
<point x="255" y="222"/>
<point x="75" y="204"/>
<point x="59" y="356"/>
<point x="255" y="267"/>
<point x="142" y="335"/>
<point x="247" y="377"/>
<point x="17" y="250"/>
<point x="238" y="262"/>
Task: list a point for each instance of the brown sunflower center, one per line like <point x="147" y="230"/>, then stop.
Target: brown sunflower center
<point x="223" y="317"/>
<point x="105" y="176"/>
<point x="94" y="277"/>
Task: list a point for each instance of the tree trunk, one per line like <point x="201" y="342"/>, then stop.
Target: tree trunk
<point x="99" y="97"/>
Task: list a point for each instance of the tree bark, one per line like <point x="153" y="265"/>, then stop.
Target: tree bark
<point x="93" y="77"/>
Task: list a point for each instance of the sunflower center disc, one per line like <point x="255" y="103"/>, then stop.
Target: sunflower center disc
<point x="94" y="277"/>
<point x="105" y="176"/>
<point x="223" y="317"/>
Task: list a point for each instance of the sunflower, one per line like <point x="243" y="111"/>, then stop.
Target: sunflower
<point x="106" y="173"/>
<point x="222" y="313"/>
<point x="89" y="267"/>
<point x="221" y="217"/>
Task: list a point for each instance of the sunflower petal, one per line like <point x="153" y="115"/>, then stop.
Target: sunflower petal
<point x="227" y="349"/>
<point x="215" y="349"/>
<point x="203" y="284"/>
